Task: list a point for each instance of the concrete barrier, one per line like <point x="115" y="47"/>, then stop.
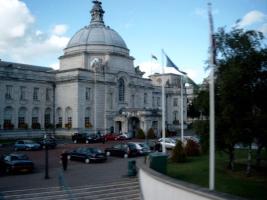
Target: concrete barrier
<point x="156" y="186"/>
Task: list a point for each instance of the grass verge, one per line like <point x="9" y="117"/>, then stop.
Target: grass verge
<point x="196" y="171"/>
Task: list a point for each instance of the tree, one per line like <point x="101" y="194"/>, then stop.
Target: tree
<point x="240" y="82"/>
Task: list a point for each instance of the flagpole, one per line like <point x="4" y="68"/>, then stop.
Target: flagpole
<point x="163" y="105"/>
<point x="182" y="109"/>
<point x="212" y="106"/>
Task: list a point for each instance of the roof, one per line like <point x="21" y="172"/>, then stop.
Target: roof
<point x="25" y="66"/>
<point x="97" y="33"/>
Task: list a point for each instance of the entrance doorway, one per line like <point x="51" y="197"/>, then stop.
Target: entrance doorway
<point x="133" y="125"/>
<point x="118" y="127"/>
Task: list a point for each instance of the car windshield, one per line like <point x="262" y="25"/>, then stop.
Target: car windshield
<point x="19" y="157"/>
<point x="143" y="145"/>
<point x="94" y="150"/>
<point x="28" y="142"/>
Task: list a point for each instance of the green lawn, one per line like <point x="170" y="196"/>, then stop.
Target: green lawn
<point x="196" y="170"/>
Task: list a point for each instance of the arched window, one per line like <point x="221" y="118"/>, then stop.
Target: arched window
<point x="87" y="122"/>
<point x="48" y="113"/>
<point x="35" y="118"/>
<point x="8" y="116"/>
<point x="22" y="118"/>
<point x="121" y="90"/>
<point x="59" y="118"/>
<point x="68" y="117"/>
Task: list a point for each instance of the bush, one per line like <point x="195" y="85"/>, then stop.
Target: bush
<point x="192" y="148"/>
<point x="140" y="134"/>
<point x="151" y="134"/>
<point x="23" y="126"/>
<point x="36" y="126"/>
<point x="178" y="153"/>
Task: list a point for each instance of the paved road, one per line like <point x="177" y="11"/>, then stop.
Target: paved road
<point x="78" y="173"/>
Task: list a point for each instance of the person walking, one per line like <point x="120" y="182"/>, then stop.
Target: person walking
<point x="64" y="160"/>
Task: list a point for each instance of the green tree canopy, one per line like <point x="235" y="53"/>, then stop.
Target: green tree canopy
<point x="241" y="81"/>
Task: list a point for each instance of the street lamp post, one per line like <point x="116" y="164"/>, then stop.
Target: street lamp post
<point x="46" y="156"/>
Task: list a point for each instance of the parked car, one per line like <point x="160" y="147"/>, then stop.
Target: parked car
<point x="26" y="145"/>
<point x="110" y="136"/>
<point x="87" y="154"/>
<point x="88" y="138"/>
<point x="122" y="136"/>
<point x="142" y="148"/>
<point x="169" y="142"/>
<point x="16" y="162"/>
<point x="50" y="142"/>
<point x="122" y="150"/>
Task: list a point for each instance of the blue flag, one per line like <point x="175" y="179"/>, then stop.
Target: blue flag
<point x="154" y="57"/>
<point x="169" y="63"/>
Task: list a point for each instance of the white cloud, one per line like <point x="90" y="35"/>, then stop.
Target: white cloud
<point x="60" y="29"/>
<point x="251" y="17"/>
<point x="15" y="18"/>
<point x="38" y="33"/>
<point x="263" y="29"/>
<point x="21" y="43"/>
<point x="54" y="65"/>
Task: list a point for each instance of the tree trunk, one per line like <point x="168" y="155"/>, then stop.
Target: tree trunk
<point x="248" y="171"/>
<point x="231" y="159"/>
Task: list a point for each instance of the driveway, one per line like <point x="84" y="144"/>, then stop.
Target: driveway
<point x="77" y="174"/>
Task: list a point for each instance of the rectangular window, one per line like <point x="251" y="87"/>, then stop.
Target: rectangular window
<point x="133" y="101"/>
<point x="35" y="93"/>
<point x="111" y="101"/>
<point x="145" y="98"/>
<point x="87" y="93"/>
<point x="158" y="101"/>
<point x="175" y="102"/>
<point x="9" y="89"/>
<point x="22" y="93"/>
<point x="48" y="94"/>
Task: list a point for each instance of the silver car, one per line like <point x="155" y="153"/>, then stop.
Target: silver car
<point x="26" y="145"/>
<point x="169" y="142"/>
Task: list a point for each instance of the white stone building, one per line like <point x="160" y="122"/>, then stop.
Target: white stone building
<point x="96" y="88"/>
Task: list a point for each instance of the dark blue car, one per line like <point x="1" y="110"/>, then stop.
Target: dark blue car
<point x="16" y="162"/>
<point x="87" y="155"/>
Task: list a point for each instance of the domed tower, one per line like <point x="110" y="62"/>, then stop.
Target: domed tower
<point x="97" y="42"/>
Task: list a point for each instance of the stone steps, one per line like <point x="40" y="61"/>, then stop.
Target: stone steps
<point x="119" y="190"/>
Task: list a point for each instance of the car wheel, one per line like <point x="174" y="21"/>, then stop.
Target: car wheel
<point x="75" y="141"/>
<point x="69" y="157"/>
<point x="87" y="141"/>
<point x="108" y="153"/>
<point x="43" y="146"/>
<point x="125" y="155"/>
<point x="16" y="149"/>
<point x="27" y="148"/>
<point x="87" y="160"/>
<point x="8" y="170"/>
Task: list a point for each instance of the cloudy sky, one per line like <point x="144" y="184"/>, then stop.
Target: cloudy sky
<point x="36" y="32"/>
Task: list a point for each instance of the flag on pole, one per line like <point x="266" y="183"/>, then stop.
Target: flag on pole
<point x="154" y="57"/>
<point x="169" y="63"/>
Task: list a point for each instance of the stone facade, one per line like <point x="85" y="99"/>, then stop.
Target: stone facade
<point x="96" y="88"/>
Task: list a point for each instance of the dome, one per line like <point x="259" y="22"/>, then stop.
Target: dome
<point x="97" y="33"/>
